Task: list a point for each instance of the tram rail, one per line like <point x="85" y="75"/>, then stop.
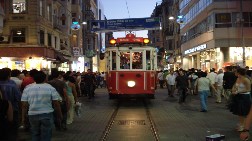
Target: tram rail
<point x="112" y="121"/>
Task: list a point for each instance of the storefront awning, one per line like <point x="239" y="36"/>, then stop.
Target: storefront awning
<point x="60" y="57"/>
<point x="229" y="64"/>
<point x="27" y="52"/>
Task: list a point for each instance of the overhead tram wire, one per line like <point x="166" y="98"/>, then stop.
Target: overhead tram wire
<point x="127" y="10"/>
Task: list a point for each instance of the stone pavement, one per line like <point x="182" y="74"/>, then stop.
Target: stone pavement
<point x="175" y="122"/>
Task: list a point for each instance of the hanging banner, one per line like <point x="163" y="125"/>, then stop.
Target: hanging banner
<point x="152" y="23"/>
<point x="76" y="51"/>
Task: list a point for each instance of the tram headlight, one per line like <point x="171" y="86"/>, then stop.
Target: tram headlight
<point x="112" y="41"/>
<point x="146" y="40"/>
<point x="131" y="83"/>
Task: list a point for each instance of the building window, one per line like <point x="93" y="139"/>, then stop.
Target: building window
<point x="74" y="15"/>
<point x="63" y="19"/>
<point x="42" y="37"/>
<point x="49" y="39"/>
<point x="49" y="12"/>
<point x="74" y="2"/>
<point x="55" y="41"/>
<point x="247" y="21"/>
<point x="250" y="17"/>
<point x="223" y="20"/>
<point x="19" y="6"/>
<point x="41" y="7"/>
<point x="18" y="35"/>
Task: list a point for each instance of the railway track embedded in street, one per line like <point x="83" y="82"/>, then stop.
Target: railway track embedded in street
<point x="137" y="116"/>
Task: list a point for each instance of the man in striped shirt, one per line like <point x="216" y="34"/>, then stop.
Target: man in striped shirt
<point x="40" y="97"/>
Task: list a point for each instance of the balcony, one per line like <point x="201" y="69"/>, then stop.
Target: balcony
<point x="76" y="8"/>
<point x="57" y="26"/>
<point x="89" y="13"/>
<point x="89" y="53"/>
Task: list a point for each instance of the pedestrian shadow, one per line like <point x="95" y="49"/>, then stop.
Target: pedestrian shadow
<point x="171" y="99"/>
<point x="185" y="107"/>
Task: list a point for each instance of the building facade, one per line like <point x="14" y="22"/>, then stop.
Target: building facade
<point x="36" y="35"/>
<point x="76" y="36"/>
<point x="1" y="16"/>
<point x="156" y="37"/>
<point x="216" y="33"/>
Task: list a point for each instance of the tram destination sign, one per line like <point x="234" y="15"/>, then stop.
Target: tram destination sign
<point x="125" y="24"/>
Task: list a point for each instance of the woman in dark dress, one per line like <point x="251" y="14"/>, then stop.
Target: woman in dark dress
<point x="241" y="101"/>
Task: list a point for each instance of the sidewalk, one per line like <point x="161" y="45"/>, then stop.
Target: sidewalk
<point x="175" y="122"/>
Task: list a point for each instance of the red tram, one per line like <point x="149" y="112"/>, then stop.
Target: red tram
<point x="131" y="67"/>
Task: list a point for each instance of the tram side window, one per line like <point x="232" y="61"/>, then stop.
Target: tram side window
<point x="148" y="61"/>
<point x="113" y="60"/>
<point x="125" y="60"/>
<point x="137" y="60"/>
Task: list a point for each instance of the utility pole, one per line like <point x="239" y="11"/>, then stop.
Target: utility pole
<point x="242" y="35"/>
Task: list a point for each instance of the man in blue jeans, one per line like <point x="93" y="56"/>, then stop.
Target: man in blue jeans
<point x="203" y="85"/>
<point x="40" y="97"/>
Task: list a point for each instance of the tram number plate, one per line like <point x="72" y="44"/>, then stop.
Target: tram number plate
<point x="131" y="122"/>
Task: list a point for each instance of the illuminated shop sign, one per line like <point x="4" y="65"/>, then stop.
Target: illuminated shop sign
<point x="75" y="26"/>
<point x="197" y="48"/>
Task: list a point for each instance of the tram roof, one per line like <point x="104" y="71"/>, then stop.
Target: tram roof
<point x="131" y="48"/>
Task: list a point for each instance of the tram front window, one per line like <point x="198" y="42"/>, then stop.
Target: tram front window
<point x="137" y="60"/>
<point x="125" y="60"/>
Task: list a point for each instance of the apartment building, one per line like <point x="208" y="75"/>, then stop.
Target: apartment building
<point x="36" y="35"/>
<point x="216" y="33"/>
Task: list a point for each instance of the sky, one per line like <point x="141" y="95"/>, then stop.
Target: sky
<point x="117" y="9"/>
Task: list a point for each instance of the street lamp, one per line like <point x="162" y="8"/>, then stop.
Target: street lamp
<point x="171" y="18"/>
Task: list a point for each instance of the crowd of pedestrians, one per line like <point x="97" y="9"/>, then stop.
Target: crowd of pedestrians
<point x="36" y="101"/>
<point x="231" y="86"/>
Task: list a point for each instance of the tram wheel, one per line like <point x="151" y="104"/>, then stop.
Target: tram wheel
<point x="111" y="96"/>
<point x="152" y="96"/>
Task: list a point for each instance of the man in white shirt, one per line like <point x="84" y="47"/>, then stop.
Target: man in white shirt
<point x="212" y="75"/>
<point x="170" y="78"/>
<point x="161" y="78"/>
<point x="15" y="77"/>
<point x="219" y="85"/>
<point x="103" y="78"/>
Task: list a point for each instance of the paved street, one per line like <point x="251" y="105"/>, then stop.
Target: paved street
<point x="174" y="122"/>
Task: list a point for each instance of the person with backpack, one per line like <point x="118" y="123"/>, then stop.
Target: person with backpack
<point x="192" y="77"/>
<point x="6" y="117"/>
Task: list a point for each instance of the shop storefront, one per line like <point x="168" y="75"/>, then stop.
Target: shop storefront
<point x="236" y="56"/>
<point x="79" y="65"/>
<point x="25" y="63"/>
<point x="28" y="58"/>
<point x="204" y="58"/>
